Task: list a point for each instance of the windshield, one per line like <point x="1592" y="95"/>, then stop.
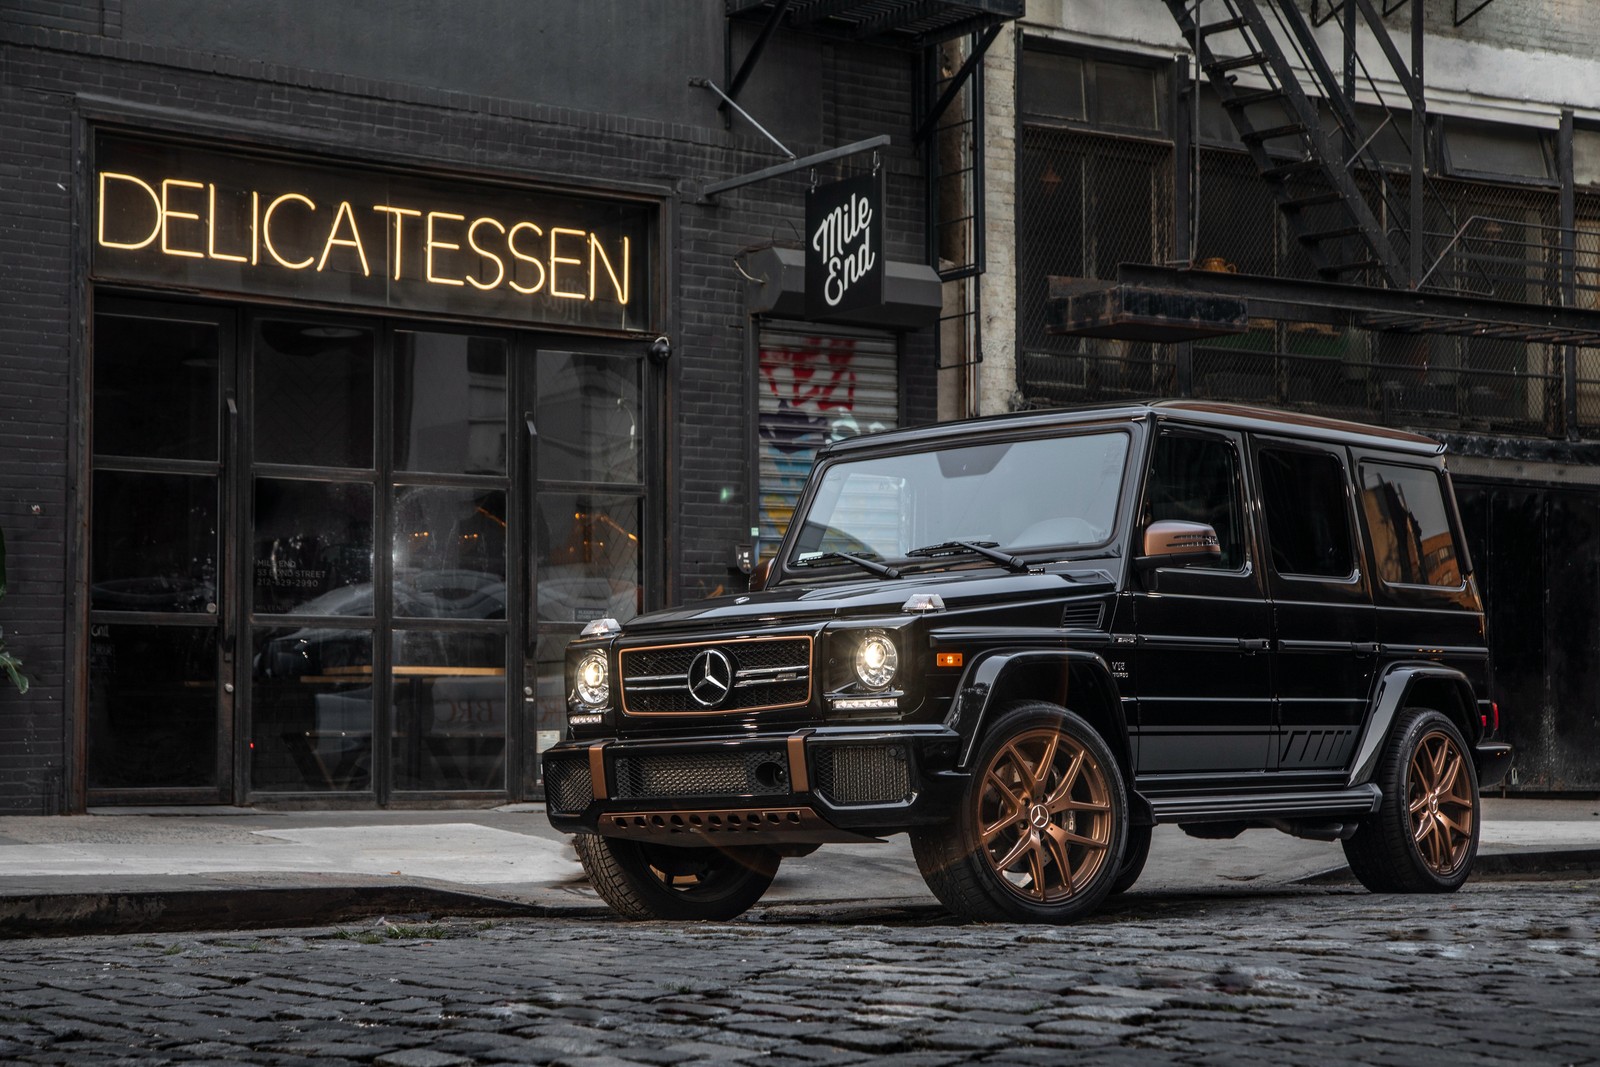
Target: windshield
<point x="1051" y="493"/>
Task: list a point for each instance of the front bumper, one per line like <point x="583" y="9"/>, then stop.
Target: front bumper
<point x="807" y="786"/>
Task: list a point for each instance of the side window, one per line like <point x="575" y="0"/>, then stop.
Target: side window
<point x="1196" y="479"/>
<point x="1411" y="539"/>
<point x="1308" y="528"/>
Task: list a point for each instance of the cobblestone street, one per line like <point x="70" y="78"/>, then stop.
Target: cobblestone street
<point x="1498" y="973"/>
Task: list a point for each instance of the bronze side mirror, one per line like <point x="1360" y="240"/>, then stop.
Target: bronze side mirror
<point x="1174" y="543"/>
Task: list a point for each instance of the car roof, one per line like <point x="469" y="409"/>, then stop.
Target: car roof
<point x="1192" y="412"/>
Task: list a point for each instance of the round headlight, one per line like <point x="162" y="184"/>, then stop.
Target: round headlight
<point x="876" y="660"/>
<point x="594" y="684"/>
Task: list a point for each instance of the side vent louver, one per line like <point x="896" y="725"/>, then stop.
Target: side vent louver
<point x="1082" y="616"/>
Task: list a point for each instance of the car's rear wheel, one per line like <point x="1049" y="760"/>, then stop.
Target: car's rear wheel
<point x="647" y="881"/>
<point x="1424" y="836"/>
<point x="1039" y="831"/>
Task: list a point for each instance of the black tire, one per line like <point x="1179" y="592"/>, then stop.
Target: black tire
<point x="1134" y="854"/>
<point x="1039" y="829"/>
<point x="645" y="881"/>
<point x="1424" y="836"/>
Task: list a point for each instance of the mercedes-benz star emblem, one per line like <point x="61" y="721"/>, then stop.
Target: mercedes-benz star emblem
<point x="710" y="677"/>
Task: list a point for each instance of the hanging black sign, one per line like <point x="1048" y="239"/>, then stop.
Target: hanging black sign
<point x="845" y="263"/>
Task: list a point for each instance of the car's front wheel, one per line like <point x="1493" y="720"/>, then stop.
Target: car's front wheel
<point x="648" y="881"/>
<point x="1424" y="836"/>
<point x="1039" y="832"/>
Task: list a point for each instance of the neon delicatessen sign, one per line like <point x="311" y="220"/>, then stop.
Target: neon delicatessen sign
<point x="180" y="215"/>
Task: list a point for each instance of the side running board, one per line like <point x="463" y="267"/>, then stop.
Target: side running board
<point x="1357" y="800"/>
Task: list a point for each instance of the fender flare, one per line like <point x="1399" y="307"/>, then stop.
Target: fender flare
<point x="1389" y="696"/>
<point x="975" y="700"/>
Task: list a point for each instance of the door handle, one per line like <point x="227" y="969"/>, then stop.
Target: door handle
<point x="1254" y="644"/>
<point x="1364" y="648"/>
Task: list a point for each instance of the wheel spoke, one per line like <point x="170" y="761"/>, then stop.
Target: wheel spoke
<point x="1011" y="798"/>
<point x="1063" y="835"/>
<point x="995" y="829"/>
<point x="1068" y="804"/>
<point x="1058" y="849"/>
<point x="1419" y="804"/>
<point x="1036" y="866"/>
<point x="1016" y="853"/>
<point x="1041" y="770"/>
<point x="1068" y="781"/>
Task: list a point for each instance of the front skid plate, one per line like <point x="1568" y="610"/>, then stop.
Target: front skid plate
<point x="728" y="826"/>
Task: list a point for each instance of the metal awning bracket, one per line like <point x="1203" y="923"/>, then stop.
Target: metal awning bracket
<point x="707" y="192"/>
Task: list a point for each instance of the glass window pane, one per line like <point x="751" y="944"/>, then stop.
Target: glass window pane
<point x="1410" y="528"/>
<point x="1126" y="96"/>
<point x="152" y="706"/>
<point x="449" y="403"/>
<point x="587" y="548"/>
<point x="313" y="547"/>
<point x="311" y="710"/>
<point x="1195" y="479"/>
<point x="1052" y="85"/>
<point x="450" y="552"/>
<point x="155" y="542"/>
<point x="588" y="418"/>
<point x="155" y="388"/>
<point x="1308" y="528"/>
<point x="313" y="401"/>
<point x="546" y="675"/>
<point x="1494" y="148"/>
<point x="449" y="709"/>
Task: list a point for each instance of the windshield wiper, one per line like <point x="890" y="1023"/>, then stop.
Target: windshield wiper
<point x="883" y="570"/>
<point x="986" y="549"/>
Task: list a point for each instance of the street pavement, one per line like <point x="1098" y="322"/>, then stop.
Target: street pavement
<point x="455" y="939"/>
<point x="1498" y="973"/>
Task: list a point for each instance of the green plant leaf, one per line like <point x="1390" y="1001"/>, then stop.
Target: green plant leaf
<point x="12" y="666"/>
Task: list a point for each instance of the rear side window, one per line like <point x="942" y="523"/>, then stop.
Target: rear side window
<point x="1308" y="528"/>
<point x="1411" y="538"/>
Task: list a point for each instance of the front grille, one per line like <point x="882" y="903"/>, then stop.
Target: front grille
<point x="736" y="773"/>
<point x="567" y="785"/>
<point x="862" y="774"/>
<point x="766" y="673"/>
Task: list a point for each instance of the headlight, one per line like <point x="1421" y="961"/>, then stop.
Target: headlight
<point x="876" y="660"/>
<point x="594" y="680"/>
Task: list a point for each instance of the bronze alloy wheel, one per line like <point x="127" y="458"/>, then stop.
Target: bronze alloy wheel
<point x="1423" y="837"/>
<point x="1439" y="795"/>
<point x="1044" y="815"/>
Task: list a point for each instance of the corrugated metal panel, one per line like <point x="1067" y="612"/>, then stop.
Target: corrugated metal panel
<point x="818" y="384"/>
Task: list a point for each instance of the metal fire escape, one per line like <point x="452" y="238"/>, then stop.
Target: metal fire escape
<point x="1254" y="56"/>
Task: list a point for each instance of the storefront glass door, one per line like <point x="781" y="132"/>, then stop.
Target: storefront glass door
<point x="328" y="550"/>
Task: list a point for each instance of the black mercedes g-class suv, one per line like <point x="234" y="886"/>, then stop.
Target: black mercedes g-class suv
<point x="1028" y="639"/>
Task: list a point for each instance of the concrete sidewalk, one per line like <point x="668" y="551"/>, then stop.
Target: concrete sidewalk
<point x="233" y="868"/>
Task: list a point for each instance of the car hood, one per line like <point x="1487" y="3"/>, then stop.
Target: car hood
<point x="874" y="596"/>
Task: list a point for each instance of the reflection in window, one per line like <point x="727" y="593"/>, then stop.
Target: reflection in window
<point x="588" y="557"/>
<point x="1196" y="479"/>
<point x="888" y="505"/>
<point x="313" y="547"/>
<point x="313" y="385"/>
<point x="588" y="418"/>
<point x="311" y="714"/>
<point x="449" y="709"/>
<point x="1308" y="527"/>
<point x="1410" y="528"/>
<point x="449" y="403"/>
<point x="450" y="552"/>
<point x="155" y="542"/>
<point x="155" y="388"/>
<point x="549" y="682"/>
<point x="152" y="706"/>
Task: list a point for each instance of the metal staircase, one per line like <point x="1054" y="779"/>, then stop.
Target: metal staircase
<point x="1352" y="231"/>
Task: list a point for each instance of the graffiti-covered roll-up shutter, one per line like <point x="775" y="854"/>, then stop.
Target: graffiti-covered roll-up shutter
<point x="818" y="384"/>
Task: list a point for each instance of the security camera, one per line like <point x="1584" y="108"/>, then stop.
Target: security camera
<point x="660" y="350"/>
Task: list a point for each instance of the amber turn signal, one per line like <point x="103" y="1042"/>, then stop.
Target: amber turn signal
<point x="947" y="659"/>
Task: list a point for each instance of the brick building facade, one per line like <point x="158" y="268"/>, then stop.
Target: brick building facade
<point x="200" y="453"/>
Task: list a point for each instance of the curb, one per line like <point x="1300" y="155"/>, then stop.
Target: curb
<point x="1562" y="863"/>
<point x="187" y="910"/>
